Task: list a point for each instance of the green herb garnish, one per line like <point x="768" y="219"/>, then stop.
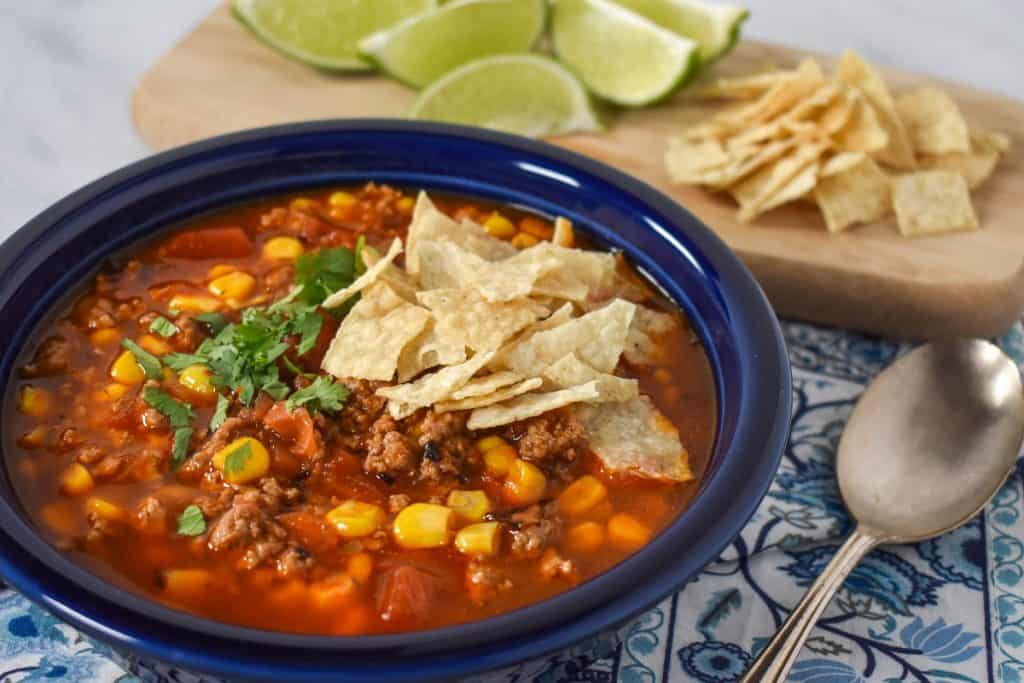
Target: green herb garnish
<point x="234" y="463"/>
<point x="220" y="413"/>
<point x="149" y="363"/>
<point x="215" y="321"/>
<point x="179" y="449"/>
<point x="163" y="327"/>
<point x="191" y="521"/>
<point x="179" y="414"/>
<point x="321" y="273"/>
<point x="323" y="395"/>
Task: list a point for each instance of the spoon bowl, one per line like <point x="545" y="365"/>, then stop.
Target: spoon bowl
<point x="928" y="444"/>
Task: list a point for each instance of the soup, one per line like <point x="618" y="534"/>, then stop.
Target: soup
<point x="355" y="412"/>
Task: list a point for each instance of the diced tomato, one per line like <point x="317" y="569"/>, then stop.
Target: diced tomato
<point x="295" y="426"/>
<point x="310" y="530"/>
<point x="407" y="596"/>
<point x="210" y="243"/>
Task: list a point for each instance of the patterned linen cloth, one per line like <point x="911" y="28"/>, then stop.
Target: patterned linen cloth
<point x="946" y="610"/>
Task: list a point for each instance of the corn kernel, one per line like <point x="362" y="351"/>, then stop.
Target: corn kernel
<point x="115" y="391"/>
<point x="126" y="369"/>
<point x="479" y="539"/>
<point x="423" y="525"/>
<point x="233" y="286"/>
<point x="76" y="480"/>
<point x="187" y="585"/>
<point x="523" y="240"/>
<point x="192" y="303"/>
<point x="102" y="508"/>
<point x="353" y="519"/>
<point x="360" y="567"/>
<point x="283" y="248"/>
<point x="525" y="483"/>
<point x="537" y="227"/>
<point x="60" y="517"/>
<point x="564" y="235"/>
<point x="581" y="496"/>
<point x="221" y="269"/>
<point x="242" y="461"/>
<point x="197" y="378"/>
<point x="33" y="401"/>
<point x="34" y="438"/>
<point x="302" y="204"/>
<point x="499" y="226"/>
<point x="490" y="442"/>
<point x="585" y="537"/>
<point x="405" y="204"/>
<point x="627" y="532"/>
<point x="470" y="506"/>
<point x="341" y="199"/>
<point x="108" y="336"/>
<point x="154" y="345"/>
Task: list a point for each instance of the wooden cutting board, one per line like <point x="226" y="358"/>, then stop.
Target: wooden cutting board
<point x="220" y="79"/>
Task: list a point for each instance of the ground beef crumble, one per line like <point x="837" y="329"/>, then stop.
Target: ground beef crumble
<point x="553" y="436"/>
<point x="534" y="529"/>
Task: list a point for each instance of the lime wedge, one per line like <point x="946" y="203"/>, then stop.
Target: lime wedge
<point x="620" y="55"/>
<point x="525" y="94"/>
<point x="422" y="48"/>
<point x="324" y="33"/>
<point x="715" y="27"/>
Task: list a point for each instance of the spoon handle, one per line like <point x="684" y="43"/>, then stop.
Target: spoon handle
<point x="774" y="662"/>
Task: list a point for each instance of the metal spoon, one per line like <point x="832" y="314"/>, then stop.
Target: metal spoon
<point x="928" y="444"/>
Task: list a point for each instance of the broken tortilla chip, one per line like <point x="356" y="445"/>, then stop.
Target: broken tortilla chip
<point x="437" y="386"/>
<point x="855" y="72"/>
<point x="426" y="351"/>
<point x="933" y="122"/>
<point x="570" y="371"/>
<point x="496" y="396"/>
<point x="646" y="328"/>
<point x="488" y="384"/>
<point x="756" y="192"/>
<point x="859" y="193"/>
<point x="366" y="279"/>
<point x="932" y="202"/>
<point x="463" y="317"/>
<point x="529" y="405"/>
<point x="431" y="224"/>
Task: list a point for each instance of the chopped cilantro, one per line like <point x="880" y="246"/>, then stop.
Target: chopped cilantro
<point x="295" y="368"/>
<point x="179" y="414"/>
<point x="234" y="463"/>
<point x="220" y="413"/>
<point x="163" y="327"/>
<point x="179" y="450"/>
<point x="191" y="521"/>
<point x="323" y="395"/>
<point x="215" y="321"/>
<point x="308" y="326"/>
<point x="149" y="363"/>
<point x="321" y="273"/>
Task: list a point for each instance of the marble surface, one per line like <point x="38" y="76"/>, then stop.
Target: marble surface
<point x="67" y="69"/>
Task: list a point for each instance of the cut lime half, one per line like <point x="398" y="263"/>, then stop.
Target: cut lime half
<point x="715" y="27"/>
<point x="620" y="55"/>
<point x="424" y="47"/>
<point x="524" y="94"/>
<point x="324" y="33"/>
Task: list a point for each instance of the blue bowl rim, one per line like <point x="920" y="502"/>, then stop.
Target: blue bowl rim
<point x="742" y="478"/>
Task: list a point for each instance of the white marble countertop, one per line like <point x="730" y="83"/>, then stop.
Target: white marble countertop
<point x="67" y="69"/>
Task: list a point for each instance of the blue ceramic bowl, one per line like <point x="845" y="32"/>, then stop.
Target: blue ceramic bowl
<point x="67" y="243"/>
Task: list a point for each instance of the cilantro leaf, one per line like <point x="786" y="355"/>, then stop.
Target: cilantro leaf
<point x="163" y="327"/>
<point x="180" y="361"/>
<point x="323" y="395"/>
<point x="215" y="321"/>
<point x="235" y="461"/>
<point x="191" y="521"/>
<point x="220" y="413"/>
<point x="179" y="450"/>
<point x="149" y="363"/>
<point x="321" y="273"/>
<point x="179" y="414"/>
<point x="308" y="326"/>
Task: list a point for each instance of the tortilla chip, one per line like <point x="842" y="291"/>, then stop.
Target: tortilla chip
<point x="445" y="265"/>
<point x="597" y="338"/>
<point x="647" y="327"/>
<point x="496" y="396"/>
<point x="563" y="235"/>
<point x="431" y="224"/>
<point x="990" y="140"/>
<point x="860" y="193"/>
<point x="686" y="160"/>
<point x="428" y="350"/>
<point x="975" y="166"/>
<point x="366" y="279"/>
<point x="932" y="202"/>
<point x="743" y="88"/>
<point x="570" y="371"/>
<point x="783" y="95"/>
<point x="838" y="114"/>
<point x="437" y="386"/>
<point x="395" y="277"/>
<point x="841" y="162"/>
<point x="855" y="72"/>
<point x="488" y="384"/>
<point x="529" y="405"/>
<point x="373" y="334"/>
<point x="577" y="273"/>
<point x="757" y="193"/>
<point x="747" y="161"/>
<point x="634" y="437"/>
<point x="862" y="131"/>
<point x="933" y="122"/>
<point x="463" y="317"/>
<point x="815" y="103"/>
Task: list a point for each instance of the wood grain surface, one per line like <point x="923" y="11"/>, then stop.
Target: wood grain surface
<point x="220" y="79"/>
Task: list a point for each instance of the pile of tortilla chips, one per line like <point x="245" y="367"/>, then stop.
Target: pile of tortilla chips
<point x="473" y="324"/>
<point x="843" y="142"/>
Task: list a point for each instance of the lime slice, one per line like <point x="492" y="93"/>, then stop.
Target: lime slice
<point x="525" y="94"/>
<point x="422" y="48"/>
<point x="324" y="33"/>
<point x="620" y="55"/>
<point x="715" y="27"/>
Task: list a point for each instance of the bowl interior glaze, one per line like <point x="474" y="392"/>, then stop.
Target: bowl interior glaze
<point x="59" y="249"/>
